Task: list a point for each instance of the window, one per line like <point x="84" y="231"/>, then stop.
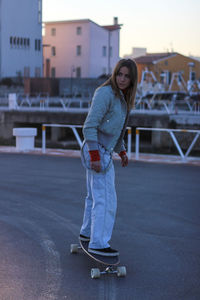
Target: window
<point x="104" y="71"/>
<point x="192" y="75"/>
<point x="26" y="42"/>
<point x="53" y="51"/>
<point x="21" y="43"/>
<point x="37" y="45"/>
<point x="169" y="77"/>
<point x="39" y="11"/>
<point x="78" y="50"/>
<point x="162" y="77"/>
<point x="78" y="72"/>
<point x="78" y="30"/>
<point x="47" y="69"/>
<point x="53" y="72"/>
<point x="104" y="51"/>
<point x="37" y="72"/>
<point x="165" y="77"/>
<point x="53" y="31"/>
<point x="111" y="51"/>
<point x="26" y="72"/>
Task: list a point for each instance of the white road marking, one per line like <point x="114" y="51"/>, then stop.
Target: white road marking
<point x="52" y="257"/>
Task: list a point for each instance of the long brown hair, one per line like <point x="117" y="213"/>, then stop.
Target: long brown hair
<point x="132" y="67"/>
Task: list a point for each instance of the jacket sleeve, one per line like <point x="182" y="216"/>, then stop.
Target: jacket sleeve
<point x="99" y="108"/>
<point x="120" y="146"/>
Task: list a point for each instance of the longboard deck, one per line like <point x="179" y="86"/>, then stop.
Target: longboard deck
<point x="105" y="260"/>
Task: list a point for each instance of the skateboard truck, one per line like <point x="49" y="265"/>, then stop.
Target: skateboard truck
<point x="111" y="268"/>
<point x="120" y="271"/>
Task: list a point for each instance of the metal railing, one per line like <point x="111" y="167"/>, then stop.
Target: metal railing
<point x="77" y="136"/>
<point x="170" y="106"/>
<point x="43" y="102"/>
<point x="73" y="128"/>
<point x="171" y="133"/>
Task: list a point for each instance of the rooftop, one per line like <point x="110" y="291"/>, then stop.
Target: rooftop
<point x="112" y="27"/>
<point x="151" y="58"/>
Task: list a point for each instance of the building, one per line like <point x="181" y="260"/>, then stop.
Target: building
<point x="136" y="52"/>
<point x="80" y="48"/>
<point x="20" y="38"/>
<point x="165" y="66"/>
<point x="196" y="57"/>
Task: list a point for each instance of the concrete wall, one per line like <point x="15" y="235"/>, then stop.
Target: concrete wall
<point x="11" y="119"/>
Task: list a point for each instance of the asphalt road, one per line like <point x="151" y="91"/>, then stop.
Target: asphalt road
<point x="157" y="231"/>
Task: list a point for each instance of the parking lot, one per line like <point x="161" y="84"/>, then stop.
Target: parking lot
<point x="157" y="231"/>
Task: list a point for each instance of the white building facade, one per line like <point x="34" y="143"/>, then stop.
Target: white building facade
<point x="80" y="48"/>
<point x="21" y="38"/>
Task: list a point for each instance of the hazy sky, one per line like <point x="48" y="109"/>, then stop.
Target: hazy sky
<point x="157" y="25"/>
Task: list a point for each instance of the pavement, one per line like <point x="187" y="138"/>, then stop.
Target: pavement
<point x="157" y="230"/>
<point x="146" y="157"/>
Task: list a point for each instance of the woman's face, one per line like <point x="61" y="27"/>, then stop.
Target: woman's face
<point x="123" y="78"/>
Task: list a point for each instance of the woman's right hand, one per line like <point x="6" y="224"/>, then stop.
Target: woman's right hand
<point x="96" y="166"/>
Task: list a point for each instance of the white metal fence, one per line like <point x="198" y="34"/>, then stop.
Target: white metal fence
<point x="129" y="138"/>
<point x="171" y="133"/>
<point x="77" y="136"/>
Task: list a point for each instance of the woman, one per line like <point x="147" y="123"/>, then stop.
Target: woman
<point x="103" y="131"/>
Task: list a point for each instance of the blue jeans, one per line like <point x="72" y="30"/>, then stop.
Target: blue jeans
<point x="100" y="203"/>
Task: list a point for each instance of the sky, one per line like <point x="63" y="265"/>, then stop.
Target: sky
<point x="158" y="25"/>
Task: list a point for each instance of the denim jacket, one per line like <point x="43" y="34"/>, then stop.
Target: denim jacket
<point x="106" y="121"/>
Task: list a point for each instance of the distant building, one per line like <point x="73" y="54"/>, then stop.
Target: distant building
<point x="196" y="57"/>
<point x="21" y="38"/>
<point x="164" y="65"/>
<point x="80" y="48"/>
<point x="136" y="52"/>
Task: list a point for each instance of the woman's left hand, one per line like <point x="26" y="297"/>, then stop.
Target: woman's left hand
<point x="124" y="160"/>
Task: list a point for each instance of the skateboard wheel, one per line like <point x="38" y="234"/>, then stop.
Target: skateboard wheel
<point x="74" y="248"/>
<point x="121" y="271"/>
<point x="95" y="273"/>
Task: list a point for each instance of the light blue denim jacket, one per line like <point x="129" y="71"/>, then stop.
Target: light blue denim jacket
<point x="106" y="121"/>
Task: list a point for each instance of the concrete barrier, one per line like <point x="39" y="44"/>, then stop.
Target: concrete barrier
<point x="25" y="138"/>
<point x="12" y="101"/>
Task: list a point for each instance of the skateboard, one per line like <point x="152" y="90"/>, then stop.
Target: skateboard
<point x="110" y="263"/>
